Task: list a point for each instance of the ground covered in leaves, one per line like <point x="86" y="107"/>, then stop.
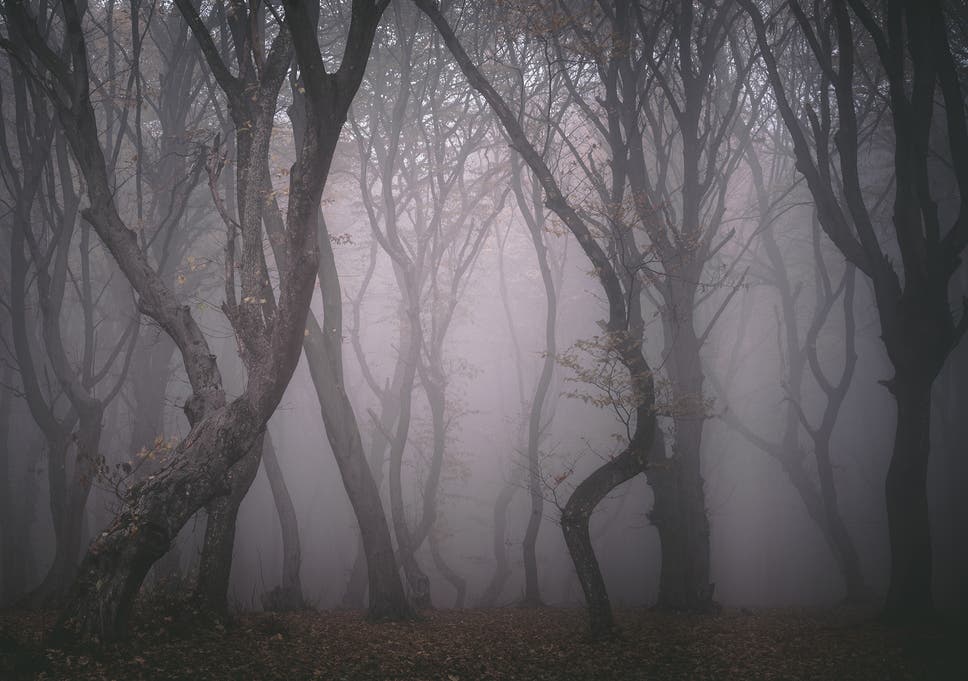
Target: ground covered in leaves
<point x="471" y="645"/>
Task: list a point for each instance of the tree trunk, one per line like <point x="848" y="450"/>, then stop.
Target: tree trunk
<point x="679" y="510"/>
<point x="100" y="599"/>
<point x="69" y="492"/>
<point x="451" y="575"/>
<point x="502" y="570"/>
<point x="387" y="599"/>
<point x="215" y="564"/>
<point x="14" y="546"/>
<point x="907" y="501"/>
<point x="532" y="592"/>
<point x="355" y="594"/>
<point x="574" y="524"/>
<point x="289" y="595"/>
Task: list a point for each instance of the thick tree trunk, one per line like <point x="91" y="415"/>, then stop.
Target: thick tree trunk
<point x="289" y="595"/>
<point x="215" y="563"/>
<point x="679" y="511"/>
<point x="149" y="386"/>
<point x="907" y="501"/>
<point x="100" y="599"/>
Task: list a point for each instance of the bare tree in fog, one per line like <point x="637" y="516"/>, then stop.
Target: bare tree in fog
<point x="900" y="56"/>
<point x="41" y="248"/>
<point x="623" y="336"/>
<point x="271" y="334"/>
<point x="423" y="175"/>
<point x="325" y="361"/>
<point x="663" y="87"/>
<point x="772" y="187"/>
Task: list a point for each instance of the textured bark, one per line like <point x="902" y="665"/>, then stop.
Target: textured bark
<point x="100" y="600"/>
<point x="215" y="562"/>
<point x="288" y="595"/>
<point x="221" y="434"/>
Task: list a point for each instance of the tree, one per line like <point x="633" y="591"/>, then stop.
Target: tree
<point x="425" y="175"/>
<point x="271" y="333"/>
<point x="800" y="359"/>
<point x="623" y="338"/>
<point x="911" y="257"/>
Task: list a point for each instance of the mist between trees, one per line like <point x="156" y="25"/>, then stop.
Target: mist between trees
<point x="397" y="305"/>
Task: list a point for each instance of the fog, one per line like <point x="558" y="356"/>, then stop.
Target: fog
<point x="779" y="316"/>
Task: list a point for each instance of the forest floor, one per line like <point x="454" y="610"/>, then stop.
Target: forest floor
<point x="514" y="644"/>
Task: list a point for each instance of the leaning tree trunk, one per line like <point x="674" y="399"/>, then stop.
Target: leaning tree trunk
<point x="575" y="519"/>
<point x="354" y="596"/>
<point x="215" y="563"/>
<point x="100" y="599"/>
<point x="289" y="595"/>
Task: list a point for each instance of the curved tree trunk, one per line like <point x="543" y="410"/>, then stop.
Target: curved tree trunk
<point x="289" y="595"/>
<point x="532" y="591"/>
<point x="354" y="596"/>
<point x="575" y="519"/>
<point x="324" y="355"/>
<point x="451" y="575"/>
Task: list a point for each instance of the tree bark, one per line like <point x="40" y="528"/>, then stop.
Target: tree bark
<point x="908" y="517"/>
<point x="215" y="563"/>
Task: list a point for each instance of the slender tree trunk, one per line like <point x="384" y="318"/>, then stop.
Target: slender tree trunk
<point x="532" y="592"/>
<point x="452" y="576"/>
<point x="215" y="564"/>
<point x="574" y="524"/>
<point x="502" y="571"/>
<point x="70" y="487"/>
<point x="289" y="595"/>
<point x="13" y="521"/>
<point x="354" y="596"/>
<point x="387" y="599"/>
<point x="406" y="540"/>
